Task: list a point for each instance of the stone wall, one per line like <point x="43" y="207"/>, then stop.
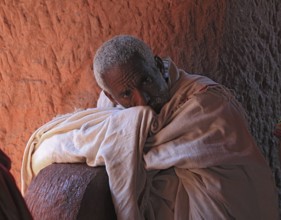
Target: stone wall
<point x="250" y="63"/>
<point x="47" y="46"/>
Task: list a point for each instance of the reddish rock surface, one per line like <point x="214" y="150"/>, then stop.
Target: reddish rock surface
<point x="46" y="51"/>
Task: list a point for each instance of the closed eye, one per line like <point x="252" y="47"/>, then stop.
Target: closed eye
<point x="126" y="94"/>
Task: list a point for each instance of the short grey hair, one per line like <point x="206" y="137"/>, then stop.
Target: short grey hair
<point x="116" y="51"/>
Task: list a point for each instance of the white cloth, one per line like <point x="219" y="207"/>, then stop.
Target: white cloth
<point x="195" y="160"/>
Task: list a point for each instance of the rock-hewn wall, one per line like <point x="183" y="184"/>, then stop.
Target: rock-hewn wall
<point x="47" y="46"/>
<point x="250" y="63"/>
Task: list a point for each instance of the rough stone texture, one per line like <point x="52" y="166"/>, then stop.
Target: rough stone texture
<point x="250" y="63"/>
<point x="47" y="46"/>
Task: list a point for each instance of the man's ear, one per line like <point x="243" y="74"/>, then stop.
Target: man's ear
<point x="110" y="97"/>
<point x="159" y="64"/>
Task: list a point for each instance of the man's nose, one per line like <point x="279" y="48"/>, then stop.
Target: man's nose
<point x="141" y="98"/>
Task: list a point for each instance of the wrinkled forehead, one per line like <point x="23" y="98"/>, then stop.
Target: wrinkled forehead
<point x="134" y="68"/>
<point x="123" y="75"/>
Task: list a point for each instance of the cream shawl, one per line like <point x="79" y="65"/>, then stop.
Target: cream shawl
<point x="195" y="160"/>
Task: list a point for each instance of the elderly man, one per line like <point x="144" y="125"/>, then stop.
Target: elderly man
<point x="175" y="145"/>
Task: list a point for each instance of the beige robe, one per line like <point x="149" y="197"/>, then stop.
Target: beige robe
<point x="195" y="160"/>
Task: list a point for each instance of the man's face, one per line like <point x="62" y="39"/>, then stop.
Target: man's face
<point x="137" y="84"/>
